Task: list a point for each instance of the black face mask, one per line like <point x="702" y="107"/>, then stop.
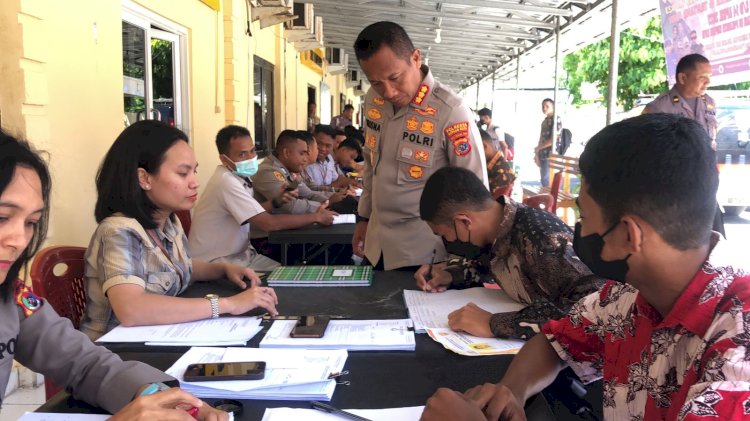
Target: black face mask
<point x="462" y="248"/>
<point x="589" y="250"/>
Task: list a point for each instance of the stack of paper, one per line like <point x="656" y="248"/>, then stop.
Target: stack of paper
<point x="320" y="276"/>
<point x="291" y="374"/>
<point x="353" y="335"/>
<point x="387" y="414"/>
<point x="429" y="311"/>
<point x="223" y="331"/>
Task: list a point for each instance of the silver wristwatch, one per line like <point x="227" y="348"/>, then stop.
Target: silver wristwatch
<point x="214" y="299"/>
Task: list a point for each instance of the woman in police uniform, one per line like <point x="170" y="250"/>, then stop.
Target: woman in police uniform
<point x="31" y="331"/>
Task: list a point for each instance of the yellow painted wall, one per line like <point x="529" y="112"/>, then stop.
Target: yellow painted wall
<point x="61" y="86"/>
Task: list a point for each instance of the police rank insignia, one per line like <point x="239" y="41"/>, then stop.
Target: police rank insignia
<point x="411" y="124"/>
<point x="675" y="99"/>
<point x="462" y="147"/>
<point x="427" y="127"/>
<point x="378" y="101"/>
<point x="407" y="153"/>
<point x="371" y="141"/>
<point x="427" y="112"/>
<point x="457" y="131"/>
<point x="374" y="114"/>
<point x="27" y="300"/>
<point x="421" y="94"/>
<point x="279" y="176"/>
<point x="422" y="155"/>
<point x="415" y="171"/>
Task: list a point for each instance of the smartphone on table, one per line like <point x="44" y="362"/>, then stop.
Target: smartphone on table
<point x="205" y="372"/>
<point x="310" y="327"/>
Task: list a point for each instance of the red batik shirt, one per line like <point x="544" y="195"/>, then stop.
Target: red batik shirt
<point x="691" y="364"/>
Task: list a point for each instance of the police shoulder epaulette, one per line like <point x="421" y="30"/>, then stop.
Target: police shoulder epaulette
<point x="26" y="299"/>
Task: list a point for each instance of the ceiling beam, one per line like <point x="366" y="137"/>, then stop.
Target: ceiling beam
<point x="353" y="9"/>
<point x="509" y="6"/>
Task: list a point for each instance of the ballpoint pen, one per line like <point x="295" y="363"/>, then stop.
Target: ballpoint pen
<point x="428" y="275"/>
<point x="320" y="406"/>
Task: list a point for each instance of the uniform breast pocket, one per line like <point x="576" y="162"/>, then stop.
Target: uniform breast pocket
<point x="414" y="163"/>
<point x="162" y="283"/>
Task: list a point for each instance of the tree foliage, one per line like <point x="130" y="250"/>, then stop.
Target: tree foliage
<point x="642" y="66"/>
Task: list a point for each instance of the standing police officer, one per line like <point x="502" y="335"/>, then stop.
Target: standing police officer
<point x="688" y="98"/>
<point x="414" y="125"/>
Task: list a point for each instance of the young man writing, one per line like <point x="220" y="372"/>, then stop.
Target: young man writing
<point x="669" y="333"/>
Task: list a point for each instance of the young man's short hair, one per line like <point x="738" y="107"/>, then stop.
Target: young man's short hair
<point x="225" y="136"/>
<point x="485" y="112"/>
<point x="325" y="129"/>
<point x="688" y="63"/>
<point x="306" y="136"/>
<point x="548" y="100"/>
<point x="348" y="107"/>
<point x="659" y="167"/>
<point x="286" y="139"/>
<point x="351" y="143"/>
<point x="380" y="34"/>
<point x="450" y="190"/>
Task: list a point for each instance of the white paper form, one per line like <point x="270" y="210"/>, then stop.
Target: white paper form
<point x="388" y="414"/>
<point x="290" y="373"/>
<point x="465" y="344"/>
<point x="431" y="309"/>
<point x="346" y="218"/>
<point x="353" y="335"/>
<point x="221" y="331"/>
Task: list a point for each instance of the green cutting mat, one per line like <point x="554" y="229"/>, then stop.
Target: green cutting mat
<point x="320" y="275"/>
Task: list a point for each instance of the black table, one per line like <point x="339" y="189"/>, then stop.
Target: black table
<point x="313" y="234"/>
<point x="378" y="379"/>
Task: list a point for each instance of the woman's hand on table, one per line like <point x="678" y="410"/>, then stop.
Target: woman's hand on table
<point x="236" y="273"/>
<point x="249" y="299"/>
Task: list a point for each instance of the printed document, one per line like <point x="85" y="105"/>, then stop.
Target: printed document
<point x="429" y="311"/>
<point x="353" y="335"/>
<point x="291" y="374"/>
<point x="346" y="218"/>
<point x="221" y="331"/>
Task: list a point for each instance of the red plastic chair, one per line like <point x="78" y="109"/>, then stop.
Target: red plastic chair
<point x="185" y="220"/>
<point x="542" y="201"/>
<point x="57" y="275"/>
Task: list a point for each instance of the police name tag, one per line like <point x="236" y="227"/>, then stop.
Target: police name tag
<point x="343" y="272"/>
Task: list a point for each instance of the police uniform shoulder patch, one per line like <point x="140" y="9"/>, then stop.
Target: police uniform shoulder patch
<point x="27" y="300"/>
<point x="427" y="127"/>
<point x="378" y="101"/>
<point x="462" y="147"/>
<point x="279" y="176"/>
<point x="457" y="131"/>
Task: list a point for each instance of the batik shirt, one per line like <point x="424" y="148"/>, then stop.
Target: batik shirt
<point x="533" y="261"/>
<point x="501" y="175"/>
<point x="691" y="364"/>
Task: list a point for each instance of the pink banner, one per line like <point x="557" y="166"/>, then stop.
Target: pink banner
<point x="717" y="29"/>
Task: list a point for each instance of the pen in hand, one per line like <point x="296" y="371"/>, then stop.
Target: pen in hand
<point x="428" y="275"/>
<point x="320" y="406"/>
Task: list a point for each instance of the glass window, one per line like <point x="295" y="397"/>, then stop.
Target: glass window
<point x="263" y="86"/>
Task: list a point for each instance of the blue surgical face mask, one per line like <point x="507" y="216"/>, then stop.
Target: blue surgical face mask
<point x="589" y="250"/>
<point x="246" y="168"/>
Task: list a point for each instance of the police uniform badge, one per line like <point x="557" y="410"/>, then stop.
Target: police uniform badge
<point x="422" y="155"/>
<point x="378" y="101"/>
<point x="27" y="300"/>
<point x="374" y="114"/>
<point x="427" y="112"/>
<point x="416" y="172"/>
<point x="675" y="99"/>
<point x="371" y="141"/>
<point x="462" y="147"/>
<point x="279" y="176"/>
<point x="427" y="127"/>
<point x="411" y="124"/>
